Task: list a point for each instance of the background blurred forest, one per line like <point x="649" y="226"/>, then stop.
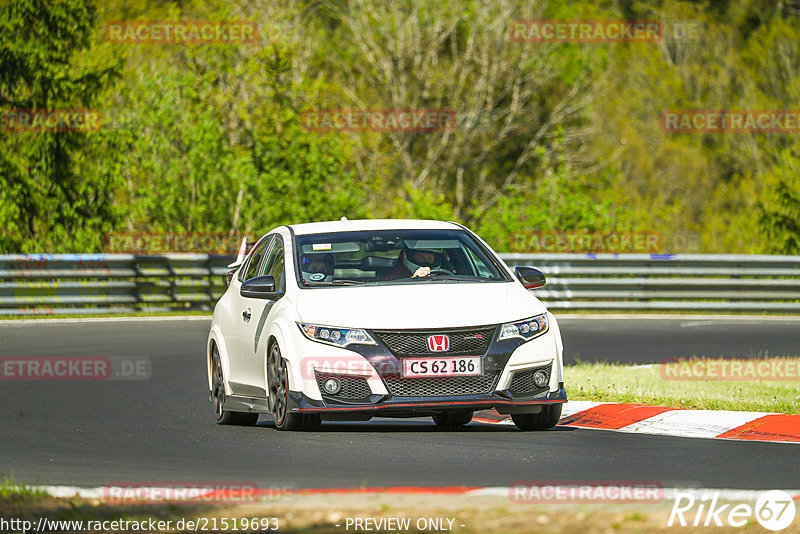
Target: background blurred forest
<point x="566" y="136"/>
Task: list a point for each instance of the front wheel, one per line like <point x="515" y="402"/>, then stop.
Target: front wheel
<point x="225" y="417"/>
<point x="547" y="418"/>
<point x="277" y="377"/>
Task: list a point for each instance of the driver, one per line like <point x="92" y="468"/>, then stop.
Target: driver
<point x="317" y="267"/>
<point x="414" y="261"/>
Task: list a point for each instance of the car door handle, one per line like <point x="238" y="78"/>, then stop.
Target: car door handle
<point x="246" y="316"/>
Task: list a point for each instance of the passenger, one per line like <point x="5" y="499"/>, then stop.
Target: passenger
<point x="317" y="267"/>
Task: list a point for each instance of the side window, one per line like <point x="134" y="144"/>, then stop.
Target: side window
<point x="274" y="265"/>
<point x="255" y="258"/>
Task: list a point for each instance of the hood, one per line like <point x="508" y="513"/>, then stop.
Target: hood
<point x="423" y="305"/>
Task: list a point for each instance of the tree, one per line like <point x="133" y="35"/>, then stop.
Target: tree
<point x="47" y="62"/>
<point x="220" y="145"/>
<point x="780" y="206"/>
<point x="510" y="98"/>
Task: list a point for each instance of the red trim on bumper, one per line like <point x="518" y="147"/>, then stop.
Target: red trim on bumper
<point x="424" y="405"/>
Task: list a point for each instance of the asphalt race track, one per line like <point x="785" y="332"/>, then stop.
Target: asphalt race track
<point x="92" y="433"/>
<point x="651" y="340"/>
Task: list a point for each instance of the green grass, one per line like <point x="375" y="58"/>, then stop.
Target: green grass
<point x="10" y="489"/>
<point x="604" y="382"/>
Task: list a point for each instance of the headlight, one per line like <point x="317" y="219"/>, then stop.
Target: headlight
<point x="527" y="329"/>
<point x="340" y="337"/>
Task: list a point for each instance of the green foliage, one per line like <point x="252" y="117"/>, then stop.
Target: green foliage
<point x="557" y="201"/>
<point x="223" y="148"/>
<point x="422" y="204"/>
<point x="548" y="136"/>
<point x="780" y="207"/>
<point x="47" y="62"/>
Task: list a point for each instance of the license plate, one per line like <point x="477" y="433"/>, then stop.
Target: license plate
<point x="422" y="367"/>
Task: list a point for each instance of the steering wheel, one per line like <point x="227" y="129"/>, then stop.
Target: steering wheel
<point x="442" y="271"/>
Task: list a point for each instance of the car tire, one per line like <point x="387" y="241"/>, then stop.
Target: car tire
<point x="278" y="384"/>
<point x="225" y="417"/>
<point x="453" y="419"/>
<point x="547" y="418"/>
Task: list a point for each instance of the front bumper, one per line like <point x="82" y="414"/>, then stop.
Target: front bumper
<point x="388" y="405"/>
<point x="505" y="382"/>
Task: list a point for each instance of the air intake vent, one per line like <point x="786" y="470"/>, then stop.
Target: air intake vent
<point x="415" y="343"/>
<point x="441" y="387"/>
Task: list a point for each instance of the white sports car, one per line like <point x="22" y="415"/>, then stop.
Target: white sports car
<point x="347" y="320"/>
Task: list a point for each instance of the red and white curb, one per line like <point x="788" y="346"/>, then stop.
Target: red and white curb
<point x="643" y="419"/>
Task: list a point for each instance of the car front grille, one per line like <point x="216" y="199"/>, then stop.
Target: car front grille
<point x="442" y="387"/>
<point x="353" y="387"/>
<point x="462" y="341"/>
<point x="522" y="381"/>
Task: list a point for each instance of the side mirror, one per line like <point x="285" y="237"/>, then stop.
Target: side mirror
<point x="260" y="287"/>
<point x="529" y="277"/>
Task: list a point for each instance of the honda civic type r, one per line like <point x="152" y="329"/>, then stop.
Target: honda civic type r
<point x="347" y="320"/>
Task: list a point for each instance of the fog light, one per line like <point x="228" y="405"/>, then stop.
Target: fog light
<point x="332" y="386"/>
<point x="540" y="378"/>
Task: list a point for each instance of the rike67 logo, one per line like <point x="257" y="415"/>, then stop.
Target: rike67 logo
<point x="774" y="510"/>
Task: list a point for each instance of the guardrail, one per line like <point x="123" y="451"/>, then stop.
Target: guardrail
<point x="695" y="282"/>
<point x="50" y="284"/>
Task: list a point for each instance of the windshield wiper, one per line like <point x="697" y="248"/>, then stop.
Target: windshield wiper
<point x="434" y="278"/>
<point x="437" y="277"/>
<point x="334" y="283"/>
<point x="454" y="276"/>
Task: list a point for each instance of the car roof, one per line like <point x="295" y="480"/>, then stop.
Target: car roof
<point x="371" y="224"/>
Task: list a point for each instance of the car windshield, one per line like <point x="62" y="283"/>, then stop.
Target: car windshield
<point x="393" y="257"/>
